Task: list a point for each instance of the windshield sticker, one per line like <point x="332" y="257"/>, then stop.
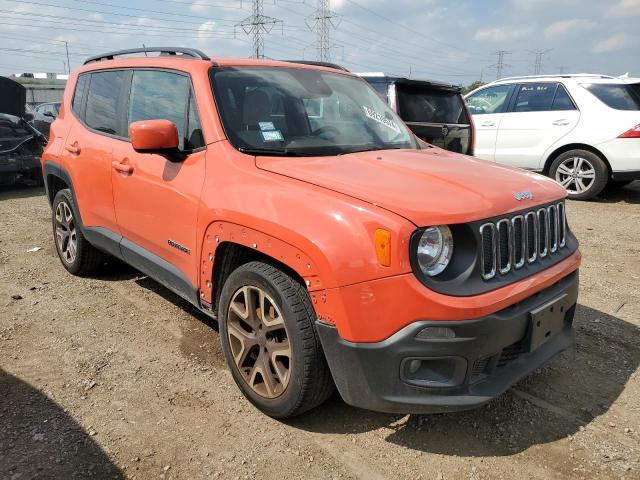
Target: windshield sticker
<point x="378" y="117"/>
<point x="266" y="126"/>
<point x="272" y="136"/>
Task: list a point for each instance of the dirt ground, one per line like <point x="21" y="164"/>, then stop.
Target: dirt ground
<point x="115" y="377"/>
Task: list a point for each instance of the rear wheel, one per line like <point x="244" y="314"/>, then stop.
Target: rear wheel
<point x="270" y="343"/>
<point x="582" y="173"/>
<point x="77" y="255"/>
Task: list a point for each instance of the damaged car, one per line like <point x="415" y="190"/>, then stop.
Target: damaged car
<point x="21" y="144"/>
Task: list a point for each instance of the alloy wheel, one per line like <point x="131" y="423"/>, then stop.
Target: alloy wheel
<point x="66" y="237"/>
<point x="259" y="341"/>
<point x="576" y="175"/>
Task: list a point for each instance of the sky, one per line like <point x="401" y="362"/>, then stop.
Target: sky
<point x="454" y="41"/>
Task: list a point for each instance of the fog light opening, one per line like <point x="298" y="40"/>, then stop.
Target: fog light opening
<point x="436" y="333"/>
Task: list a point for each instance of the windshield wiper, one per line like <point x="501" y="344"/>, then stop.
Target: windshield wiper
<point x="284" y="152"/>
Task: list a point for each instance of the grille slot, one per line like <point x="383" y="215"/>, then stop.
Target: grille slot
<point x="552" y="213"/>
<point x="510" y="243"/>
<point x="504" y="246"/>
<point x="488" y="234"/>
<point x="543" y="233"/>
<point x="562" y="225"/>
<point x="532" y="236"/>
<point x="519" y="241"/>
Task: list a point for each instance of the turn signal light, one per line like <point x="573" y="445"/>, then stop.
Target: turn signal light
<point x="633" y="133"/>
<point x="382" y="240"/>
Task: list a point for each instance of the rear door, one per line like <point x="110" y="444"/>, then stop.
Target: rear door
<point x="436" y="115"/>
<point x="539" y="115"/>
<point x="487" y="107"/>
<point x="157" y="201"/>
<point x="97" y="101"/>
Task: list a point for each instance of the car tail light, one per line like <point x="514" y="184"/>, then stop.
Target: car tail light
<point x="633" y="133"/>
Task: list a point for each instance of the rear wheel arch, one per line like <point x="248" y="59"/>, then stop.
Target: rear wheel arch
<point x="573" y="146"/>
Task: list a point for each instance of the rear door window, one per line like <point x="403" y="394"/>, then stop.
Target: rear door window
<point x="489" y="100"/>
<point x="535" y="97"/>
<point x="426" y="105"/>
<point x="614" y="95"/>
<point x="103" y="99"/>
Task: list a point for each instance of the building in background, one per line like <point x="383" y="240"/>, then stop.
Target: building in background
<point x="41" y="87"/>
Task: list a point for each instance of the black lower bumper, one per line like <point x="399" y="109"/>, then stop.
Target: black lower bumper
<point x="456" y="365"/>
<point x="626" y="176"/>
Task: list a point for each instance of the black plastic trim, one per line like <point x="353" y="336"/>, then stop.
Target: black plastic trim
<point x="369" y="375"/>
<point x="463" y="276"/>
<point x="628" y="175"/>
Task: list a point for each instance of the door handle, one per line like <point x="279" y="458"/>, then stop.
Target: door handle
<point x="488" y="124"/>
<point x="560" y="123"/>
<point x="122" y="167"/>
<point x="75" y="149"/>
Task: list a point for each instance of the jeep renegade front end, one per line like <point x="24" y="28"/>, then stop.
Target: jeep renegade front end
<point x="334" y="249"/>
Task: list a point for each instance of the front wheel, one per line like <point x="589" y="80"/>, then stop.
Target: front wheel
<point x="269" y="341"/>
<point x="582" y="173"/>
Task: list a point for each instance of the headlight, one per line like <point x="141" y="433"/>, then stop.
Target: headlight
<point x="435" y="249"/>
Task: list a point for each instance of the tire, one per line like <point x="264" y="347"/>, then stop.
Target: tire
<point x="77" y="255"/>
<point x="590" y="179"/>
<point x="258" y="343"/>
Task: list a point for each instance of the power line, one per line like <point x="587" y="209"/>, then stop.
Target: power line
<point x="321" y="21"/>
<point x="258" y="25"/>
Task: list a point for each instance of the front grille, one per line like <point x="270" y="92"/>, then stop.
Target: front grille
<point x="510" y="243"/>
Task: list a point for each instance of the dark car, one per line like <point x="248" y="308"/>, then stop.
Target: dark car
<point x="434" y="111"/>
<point x="20" y="151"/>
<point x="20" y="144"/>
<point x="44" y="115"/>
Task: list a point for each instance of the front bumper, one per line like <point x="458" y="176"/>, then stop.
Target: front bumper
<point x="486" y="357"/>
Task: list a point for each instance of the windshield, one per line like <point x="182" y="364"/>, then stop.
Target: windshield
<point x="290" y="111"/>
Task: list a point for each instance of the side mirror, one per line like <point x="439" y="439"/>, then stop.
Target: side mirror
<point x="154" y="136"/>
<point x="28" y="117"/>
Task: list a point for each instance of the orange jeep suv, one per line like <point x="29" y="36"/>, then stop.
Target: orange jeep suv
<point x="335" y="249"/>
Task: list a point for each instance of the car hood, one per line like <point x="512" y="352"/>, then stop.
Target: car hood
<point x="427" y="187"/>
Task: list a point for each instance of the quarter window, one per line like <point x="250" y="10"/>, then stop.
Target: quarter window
<point x="81" y="86"/>
<point x="102" y="101"/>
<point x="617" y="96"/>
<point x="159" y="95"/>
<point x="562" y="101"/>
<point x="489" y="100"/>
<point x="195" y="138"/>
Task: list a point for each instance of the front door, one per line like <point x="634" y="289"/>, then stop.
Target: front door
<point x="487" y="107"/>
<point x="157" y="199"/>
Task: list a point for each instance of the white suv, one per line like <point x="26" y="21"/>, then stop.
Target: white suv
<point x="582" y="130"/>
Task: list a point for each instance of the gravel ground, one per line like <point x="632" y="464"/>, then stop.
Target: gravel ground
<point x="115" y="377"/>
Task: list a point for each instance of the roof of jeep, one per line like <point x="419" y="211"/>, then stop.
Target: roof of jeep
<point x="191" y="64"/>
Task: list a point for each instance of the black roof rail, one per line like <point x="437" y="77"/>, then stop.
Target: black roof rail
<point x="318" y="64"/>
<point x="164" y="51"/>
